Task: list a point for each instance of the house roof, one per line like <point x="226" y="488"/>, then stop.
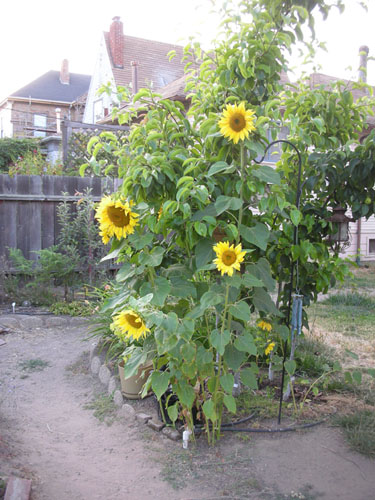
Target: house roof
<point x="49" y="88"/>
<point x="154" y="67"/>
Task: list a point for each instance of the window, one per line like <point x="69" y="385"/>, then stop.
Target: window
<point x="273" y="154"/>
<point x="40" y="123"/>
<point x="371" y="246"/>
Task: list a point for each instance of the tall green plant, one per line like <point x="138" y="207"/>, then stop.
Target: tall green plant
<point x="191" y="180"/>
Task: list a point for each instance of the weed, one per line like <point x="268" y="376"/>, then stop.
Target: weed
<point x="351" y="299"/>
<point x="74" y="308"/>
<point x="359" y="429"/>
<point x="80" y="366"/>
<point x="104" y="408"/>
<point x="34" y="365"/>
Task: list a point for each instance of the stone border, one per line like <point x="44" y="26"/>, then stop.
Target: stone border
<point x="108" y="379"/>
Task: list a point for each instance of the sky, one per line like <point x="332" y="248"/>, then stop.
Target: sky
<point x="35" y="36"/>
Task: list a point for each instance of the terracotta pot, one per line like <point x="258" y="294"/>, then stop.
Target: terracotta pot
<point x="132" y="387"/>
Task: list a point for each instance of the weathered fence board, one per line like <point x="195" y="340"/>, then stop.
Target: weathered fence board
<point x="28" y="208"/>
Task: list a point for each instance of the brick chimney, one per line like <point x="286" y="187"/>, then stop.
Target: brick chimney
<point x="64" y="73"/>
<point x="116" y="42"/>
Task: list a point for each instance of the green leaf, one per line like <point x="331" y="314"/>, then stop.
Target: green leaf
<point x="267" y="174"/>
<point x="371" y="372"/>
<point x="210" y="298"/>
<point x="219" y="166"/>
<point x="233" y="357"/>
<point x="257" y="235"/>
<point x="220" y="340"/>
<point x="352" y="354"/>
<point x="185" y="393"/>
<point x="154" y="258"/>
<point x="160" y="290"/>
<point x="230" y="403"/>
<point x="357" y="376"/>
<point x="209" y="410"/>
<point x="126" y="271"/>
<point x="249" y="378"/>
<point x="290" y="366"/>
<point x="263" y="302"/>
<point x="240" y="310"/>
<point x="262" y="271"/>
<point x="227" y="203"/>
<point x="173" y="412"/>
<point x="140" y="241"/>
<point x="188" y="352"/>
<point x="159" y="383"/>
<point x="200" y="228"/>
<point x="227" y="382"/>
<point x="250" y="280"/>
<point x="203" y="252"/>
<point x="295" y="216"/>
<point x="245" y="343"/>
<point x="182" y="288"/>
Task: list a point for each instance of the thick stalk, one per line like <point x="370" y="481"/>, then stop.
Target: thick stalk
<point x="243" y="165"/>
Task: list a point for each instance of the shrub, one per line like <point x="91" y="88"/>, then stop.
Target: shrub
<point x="11" y="149"/>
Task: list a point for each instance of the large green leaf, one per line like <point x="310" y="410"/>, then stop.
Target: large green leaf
<point x="185" y="393"/>
<point x="240" y="310"/>
<point x="249" y="379"/>
<point x="159" y="383"/>
<point x="209" y="410"/>
<point x="227" y="382"/>
<point x="230" y="403"/>
<point x="227" y="203"/>
<point x="250" y="280"/>
<point x="257" y="235"/>
<point x="154" y="258"/>
<point x="262" y="270"/>
<point x="267" y="174"/>
<point x="136" y="360"/>
<point x="182" y="288"/>
<point x="263" y="302"/>
<point x="160" y="289"/>
<point x="126" y="271"/>
<point x="204" y="253"/>
<point x="245" y="343"/>
<point x="233" y="357"/>
<point x="220" y="166"/>
<point x="140" y="241"/>
<point x="209" y="211"/>
<point x="210" y="298"/>
<point x="220" y="340"/>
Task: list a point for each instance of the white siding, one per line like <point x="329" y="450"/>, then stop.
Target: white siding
<point x="102" y="76"/>
<point x="6" y="125"/>
<point x="367" y="234"/>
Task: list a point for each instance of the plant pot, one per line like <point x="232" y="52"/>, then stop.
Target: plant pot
<point x="132" y="387"/>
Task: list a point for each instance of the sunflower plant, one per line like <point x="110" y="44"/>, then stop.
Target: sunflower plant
<point x="204" y="233"/>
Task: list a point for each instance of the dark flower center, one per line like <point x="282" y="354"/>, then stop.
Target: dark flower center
<point x="237" y="122"/>
<point x="229" y="257"/>
<point x="134" y="321"/>
<point x="118" y="216"/>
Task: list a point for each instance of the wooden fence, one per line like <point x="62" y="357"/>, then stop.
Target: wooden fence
<point x="28" y="218"/>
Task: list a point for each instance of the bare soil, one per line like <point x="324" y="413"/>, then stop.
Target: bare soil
<point x="48" y="435"/>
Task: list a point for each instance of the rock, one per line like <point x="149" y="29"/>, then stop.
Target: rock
<point x="118" y="399"/>
<point x="127" y="411"/>
<point x="157" y="425"/>
<point x="171" y="433"/>
<point x="143" y="417"/>
<point x="104" y="374"/>
<point x="95" y="365"/>
<point x="93" y="349"/>
<point x="18" y="489"/>
<point x="112" y="385"/>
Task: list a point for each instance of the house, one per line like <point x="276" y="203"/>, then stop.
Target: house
<point x="36" y="109"/>
<point x="133" y="63"/>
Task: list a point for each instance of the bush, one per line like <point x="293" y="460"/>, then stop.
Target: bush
<point x="12" y="149"/>
<point x="34" y="163"/>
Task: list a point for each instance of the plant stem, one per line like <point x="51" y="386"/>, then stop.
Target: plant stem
<point x="243" y="165"/>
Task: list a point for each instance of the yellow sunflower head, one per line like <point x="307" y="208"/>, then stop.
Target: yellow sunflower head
<point x="236" y="122"/>
<point x="269" y="348"/>
<point x="264" y="325"/>
<point x="228" y="257"/>
<point x="131" y="324"/>
<point x="115" y="218"/>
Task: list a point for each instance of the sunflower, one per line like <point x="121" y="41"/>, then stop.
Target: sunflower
<point x="265" y="326"/>
<point x="228" y="258"/>
<point x="115" y="218"/>
<point x="269" y="348"/>
<point x="130" y="324"/>
<point x="237" y="122"/>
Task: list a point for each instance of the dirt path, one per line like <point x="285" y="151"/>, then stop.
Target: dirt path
<point x="47" y="435"/>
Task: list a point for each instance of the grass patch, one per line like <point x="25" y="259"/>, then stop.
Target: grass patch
<point x="313" y="357"/>
<point x="104" y="408"/>
<point x="354" y="299"/>
<point x="359" y="430"/>
<point x="34" y="365"/>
